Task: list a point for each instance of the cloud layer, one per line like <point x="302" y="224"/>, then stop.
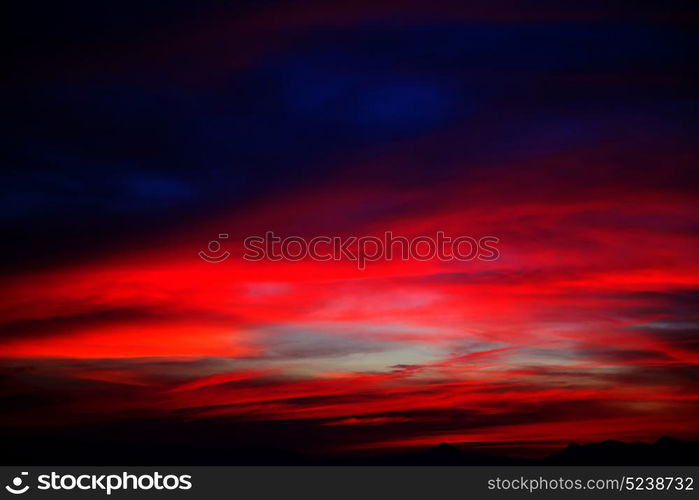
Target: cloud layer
<point x="567" y="133"/>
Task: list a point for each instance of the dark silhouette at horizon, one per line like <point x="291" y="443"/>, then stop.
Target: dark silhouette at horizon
<point x="82" y="446"/>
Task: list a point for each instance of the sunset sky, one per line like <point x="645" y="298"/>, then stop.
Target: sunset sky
<point x="140" y="133"/>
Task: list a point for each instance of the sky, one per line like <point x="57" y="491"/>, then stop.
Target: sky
<point x="139" y="133"/>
